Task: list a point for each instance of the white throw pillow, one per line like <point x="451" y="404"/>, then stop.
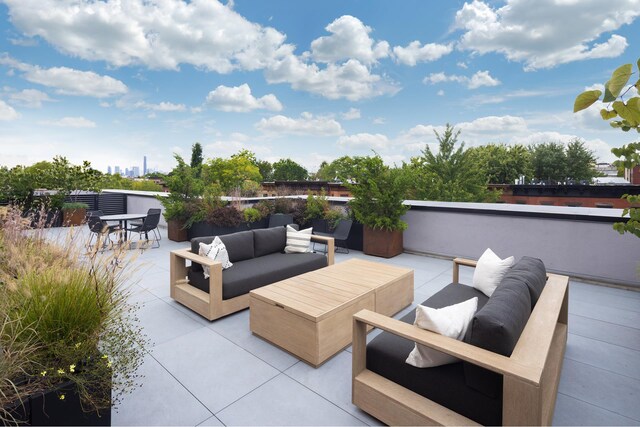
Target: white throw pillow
<point x="452" y="321"/>
<point x="489" y="272"/>
<point x="297" y="241"/>
<point x="217" y="251"/>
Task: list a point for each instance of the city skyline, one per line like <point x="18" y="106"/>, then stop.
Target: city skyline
<point x="113" y="82"/>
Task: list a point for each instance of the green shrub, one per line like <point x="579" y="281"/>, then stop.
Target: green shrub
<point x="252" y="215"/>
<point x="68" y="206"/>
<point x="316" y="206"/>
<point x="334" y="215"/>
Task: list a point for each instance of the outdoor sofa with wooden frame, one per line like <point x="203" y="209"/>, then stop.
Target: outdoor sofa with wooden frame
<point x="530" y="376"/>
<point x="212" y="305"/>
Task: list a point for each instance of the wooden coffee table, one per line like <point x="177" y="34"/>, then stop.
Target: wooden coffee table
<point x="310" y="315"/>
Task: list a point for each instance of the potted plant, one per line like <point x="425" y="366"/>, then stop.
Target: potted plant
<point x="185" y="188"/>
<point x="378" y="203"/>
<point x="316" y="209"/>
<point x="69" y="340"/>
<point x="74" y="213"/>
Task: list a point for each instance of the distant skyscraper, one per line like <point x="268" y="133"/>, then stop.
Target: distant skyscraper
<point x="109" y="170"/>
<point x="117" y="169"/>
<point x="144" y="166"/>
<point x="135" y="171"/>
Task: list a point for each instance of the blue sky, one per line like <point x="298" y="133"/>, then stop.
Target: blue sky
<point x="112" y="81"/>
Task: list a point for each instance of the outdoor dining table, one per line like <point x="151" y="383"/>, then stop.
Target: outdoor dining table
<point x="123" y="219"/>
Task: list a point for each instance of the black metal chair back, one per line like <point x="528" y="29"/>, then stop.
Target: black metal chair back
<point x="342" y="229"/>
<point x="96" y="225"/>
<point x="151" y="221"/>
<point x="280" y="220"/>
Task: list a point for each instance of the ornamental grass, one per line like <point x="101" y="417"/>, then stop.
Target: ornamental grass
<point x="65" y="316"/>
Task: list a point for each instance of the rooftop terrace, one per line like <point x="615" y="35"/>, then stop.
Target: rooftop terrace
<point x="217" y="373"/>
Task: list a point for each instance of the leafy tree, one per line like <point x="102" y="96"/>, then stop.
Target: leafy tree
<point x="450" y="175"/>
<point x="266" y="170"/>
<point x="340" y="167"/>
<point x="288" y="170"/>
<point x="145" y="185"/>
<point x="196" y="158"/>
<point x="549" y="161"/>
<point x="629" y="156"/>
<point x="378" y="193"/>
<point x="627" y="113"/>
<point x="184" y="189"/>
<point x="502" y="164"/>
<point x="116" y="182"/>
<point x="231" y="173"/>
<point x="580" y="162"/>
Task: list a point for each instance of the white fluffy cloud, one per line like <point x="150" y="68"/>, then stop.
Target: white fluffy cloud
<point x="239" y="99"/>
<point x="31" y="98"/>
<point x="7" y="112"/>
<point x="375" y="141"/>
<point x="307" y="124"/>
<point x="349" y="39"/>
<point x="67" y="81"/>
<point x="351" y="80"/>
<point x="352" y="114"/>
<point x="479" y="79"/>
<point x="71" y="122"/>
<point x="414" y="52"/>
<point x="548" y="34"/>
<point x="164" y="106"/>
<point x="157" y="34"/>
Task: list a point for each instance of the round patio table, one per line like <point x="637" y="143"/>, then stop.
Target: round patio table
<point x="123" y="219"/>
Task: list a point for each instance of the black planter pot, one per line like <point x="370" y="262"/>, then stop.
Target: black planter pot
<point x="355" y="236"/>
<point x="49" y="409"/>
<point x="320" y="225"/>
<point x="203" y="229"/>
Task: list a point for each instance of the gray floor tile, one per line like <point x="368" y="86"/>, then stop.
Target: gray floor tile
<point x="333" y="382"/>
<point x="139" y="295"/>
<point x="235" y="328"/>
<point x="621" y="299"/>
<point x="213" y="421"/>
<point x="596" y="311"/>
<point x="614" y="392"/>
<point x="574" y="412"/>
<point x="163" y="323"/>
<point x="214" y="369"/>
<point x="605" y="331"/>
<point x="161" y="400"/>
<point x="620" y="360"/>
<point x="283" y="401"/>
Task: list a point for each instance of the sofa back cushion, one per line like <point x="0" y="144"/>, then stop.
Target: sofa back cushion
<point x="269" y="240"/>
<point x="530" y="271"/>
<point x="239" y="245"/>
<point x="195" y="248"/>
<point x="497" y="327"/>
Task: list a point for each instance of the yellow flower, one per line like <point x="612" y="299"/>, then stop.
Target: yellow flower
<point x="43" y="373"/>
<point x="78" y="345"/>
<point x="109" y="364"/>
<point x="104" y="356"/>
<point x="61" y="371"/>
<point x="61" y="397"/>
<point x="72" y="368"/>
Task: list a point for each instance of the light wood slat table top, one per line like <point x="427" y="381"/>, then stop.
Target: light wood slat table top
<point x="318" y="294"/>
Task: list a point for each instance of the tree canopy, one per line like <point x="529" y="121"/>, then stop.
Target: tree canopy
<point x="288" y="170"/>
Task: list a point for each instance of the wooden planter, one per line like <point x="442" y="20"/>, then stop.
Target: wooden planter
<point x="73" y="216"/>
<point x="176" y="231"/>
<point x="382" y="243"/>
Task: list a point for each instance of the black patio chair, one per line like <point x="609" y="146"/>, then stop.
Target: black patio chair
<point x="150" y="224"/>
<point x="100" y="229"/>
<point x="281" y="220"/>
<point x="138" y="222"/>
<point x="340" y="234"/>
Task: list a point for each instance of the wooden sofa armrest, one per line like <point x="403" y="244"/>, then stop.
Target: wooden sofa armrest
<point x="457" y="262"/>
<point x="187" y="254"/>
<point x="476" y="355"/>
<point x="331" y="245"/>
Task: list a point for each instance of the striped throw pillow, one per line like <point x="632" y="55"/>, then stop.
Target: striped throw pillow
<point x="297" y="241"/>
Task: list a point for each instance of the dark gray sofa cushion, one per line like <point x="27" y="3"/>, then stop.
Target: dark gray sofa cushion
<point x="254" y="273"/>
<point x="195" y="248"/>
<point x="497" y="327"/>
<point x="239" y="245"/>
<point x="530" y="271"/>
<point x="269" y="240"/>
<point x="386" y="355"/>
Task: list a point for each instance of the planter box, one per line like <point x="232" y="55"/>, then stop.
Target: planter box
<point x="176" y="232"/>
<point x="382" y="243"/>
<point x="47" y="409"/>
<point x="320" y="225"/>
<point x="355" y="236"/>
<point x="203" y="229"/>
<point x="73" y="216"/>
<point x="53" y="219"/>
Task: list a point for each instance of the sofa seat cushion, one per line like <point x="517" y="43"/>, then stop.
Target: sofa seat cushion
<point x="254" y="273"/>
<point x="445" y="385"/>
